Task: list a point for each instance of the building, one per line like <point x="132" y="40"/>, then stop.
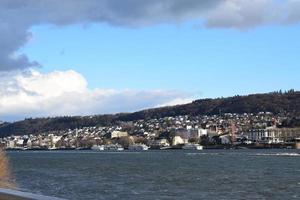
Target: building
<point x="160" y="143"/>
<point x="10" y="144"/>
<point x="118" y="134"/>
<point x="273" y="135"/>
<point x="178" y="140"/>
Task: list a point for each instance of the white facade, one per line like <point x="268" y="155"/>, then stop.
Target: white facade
<point x="19" y="142"/>
<point x="266" y="136"/>
<point x="202" y="132"/>
<point x="118" y="134"/>
<point x="178" y="140"/>
<point x="10" y="144"/>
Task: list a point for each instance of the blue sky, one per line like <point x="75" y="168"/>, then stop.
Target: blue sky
<point x="185" y="57"/>
<point x="75" y="57"/>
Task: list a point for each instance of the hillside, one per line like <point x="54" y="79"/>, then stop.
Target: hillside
<point x="287" y="103"/>
<point x="275" y="102"/>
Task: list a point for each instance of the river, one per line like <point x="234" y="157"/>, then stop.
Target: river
<point x="208" y="174"/>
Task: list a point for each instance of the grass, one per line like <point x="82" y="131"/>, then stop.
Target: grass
<point x="6" y="179"/>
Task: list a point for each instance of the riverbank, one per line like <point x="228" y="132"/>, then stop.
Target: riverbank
<point x="225" y="147"/>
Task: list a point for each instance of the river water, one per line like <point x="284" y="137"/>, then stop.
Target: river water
<point x="208" y="174"/>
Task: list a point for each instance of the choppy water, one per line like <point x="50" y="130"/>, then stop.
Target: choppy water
<point x="209" y="174"/>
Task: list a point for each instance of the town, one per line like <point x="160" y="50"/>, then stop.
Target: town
<point x="228" y="130"/>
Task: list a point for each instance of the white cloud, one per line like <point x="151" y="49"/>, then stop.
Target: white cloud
<point x="18" y="16"/>
<point x="33" y="94"/>
<point x="177" y="101"/>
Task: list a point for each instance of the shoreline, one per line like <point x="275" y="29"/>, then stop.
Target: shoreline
<point x="152" y="149"/>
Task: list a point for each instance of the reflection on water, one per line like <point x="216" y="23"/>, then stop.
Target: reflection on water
<point x="6" y="180"/>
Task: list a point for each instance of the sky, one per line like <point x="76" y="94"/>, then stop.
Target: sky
<point x="99" y="56"/>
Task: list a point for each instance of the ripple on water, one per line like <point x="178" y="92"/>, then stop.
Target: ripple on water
<point x="277" y="154"/>
<point x="176" y="175"/>
<point x="199" y="154"/>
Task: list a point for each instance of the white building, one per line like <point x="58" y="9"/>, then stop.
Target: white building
<point x="118" y="134"/>
<point x="10" y="144"/>
<point x="269" y="135"/>
<point x="177" y="140"/>
<point x="202" y="132"/>
<point x="19" y="142"/>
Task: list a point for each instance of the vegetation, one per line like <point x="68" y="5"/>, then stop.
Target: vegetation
<point x="275" y="102"/>
<point x="285" y="103"/>
<point x="38" y="125"/>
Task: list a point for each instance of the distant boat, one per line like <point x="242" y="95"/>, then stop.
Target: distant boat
<point x="192" y="147"/>
<point x="98" y="148"/>
<point x="113" y="147"/>
<point x="138" y="147"/>
<point x="165" y="148"/>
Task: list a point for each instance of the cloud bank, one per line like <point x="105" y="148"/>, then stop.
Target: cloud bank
<point x="28" y="94"/>
<point x="17" y="16"/>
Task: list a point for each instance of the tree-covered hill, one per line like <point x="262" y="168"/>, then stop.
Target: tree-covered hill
<point x="276" y="102"/>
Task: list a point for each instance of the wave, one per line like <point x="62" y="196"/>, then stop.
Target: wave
<point x="195" y="154"/>
<point x="277" y="154"/>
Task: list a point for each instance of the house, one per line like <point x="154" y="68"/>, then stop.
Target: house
<point x="178" y="140"/>
<point x="10" y="144"/>
<point x="118" y="134"/>
<point x="268" y="135"/>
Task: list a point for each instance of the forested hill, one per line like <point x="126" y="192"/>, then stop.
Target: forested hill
<point x="276" y="102"/>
